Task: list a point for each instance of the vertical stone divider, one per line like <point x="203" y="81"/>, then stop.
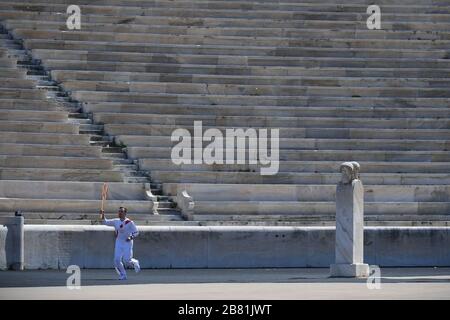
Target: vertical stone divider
<point x="349" y="245"/>
<point x="14" y="242"/>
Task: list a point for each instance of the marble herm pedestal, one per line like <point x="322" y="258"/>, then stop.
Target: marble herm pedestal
<point x="349" y="250"/>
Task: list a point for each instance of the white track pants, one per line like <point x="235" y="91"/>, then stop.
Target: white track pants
<point x="123" y="252"/>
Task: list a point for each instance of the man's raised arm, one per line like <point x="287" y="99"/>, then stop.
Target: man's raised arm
<point x="106" y="222"/>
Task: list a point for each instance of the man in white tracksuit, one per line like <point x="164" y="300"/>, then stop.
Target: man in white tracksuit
<point x="126" y="231"/>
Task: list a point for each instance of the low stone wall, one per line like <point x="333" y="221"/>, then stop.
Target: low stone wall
<point x="52" y="246"/>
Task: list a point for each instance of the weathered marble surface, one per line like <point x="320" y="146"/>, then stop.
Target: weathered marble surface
<point x="349" y="248"/>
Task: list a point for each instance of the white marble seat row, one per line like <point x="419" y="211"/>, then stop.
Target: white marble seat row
<point x="52" y="162"/>
<point x="47" y="139"/>
<point x="55" y="150"/>
<point x="153" y="165"/>
<point x="315" y="69"/>
<point x="319" y="155"/>
<point x="307" y="143"/>
<point x="295" y="177"/>
<point x="28" y="104"/>
<point x="244" y="50"/>
<point x="286" y="192"/>
<point x="308" y="59"/>
<point x="224" y="22"/>
<point x="318" y="89"/>
<point x="228" y="40"/>
<point x="417" y="6"/>
<point x="303" y="32"/>
<point x="270" y="122"/>
<point x="287" y="111"/>
<point x="46" y="174"/>
<point x="316" y="208"/>
<point x="78" y="205"/>
<point x="228" y="99"/>
<point x="11" y="73"/>
<point x="330" y="133"/>
<point x="279" y="13"/>
<point x="121" y="78"/>
<point x="33" y="115"/>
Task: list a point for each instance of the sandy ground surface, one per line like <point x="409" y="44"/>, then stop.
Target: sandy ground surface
<point x="234" y="284"/>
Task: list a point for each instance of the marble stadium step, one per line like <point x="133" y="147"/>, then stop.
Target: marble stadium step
<point x="71" y="190"/>
<point x="171" y="71"/>
<point x="300" y="13"/>
<point x="12" y="73"/>
<point x="141" y="78"/>
<point x="313" y="155"/>
<point x="284" y="192"/>
<point x="276" y="67"/>
<point x="82" y="217"/>
<point x="273" y="56"/>
<point x="271" y="122"/>
<point x="95" y="48"/>
<point x="341" y="102"/>
<point x="370" y="220"/>
<point x="11" y="93"/>
<point x="21" y="33"/>
<point x="296" y="178"/>
<point x="230" y="110"/>
<point x="416" y="6"/>
<point x="154" y="165"/>
<point x="28" y="104"/>
<point x="6" y="62"/>
<point x="304" y="32"/>
<point x="33" y="115"/>
<point x="343" y="23"/>
<point x="54" y="162"/>
<point x="217" y="99"/>
<point x="68" y="205"/>
<point x="323" y="88"/>
<point x="304" y="143"/>
<point x="95" y="222"/>
<point x="38" y="127"/>
<point x="39" y="174"/>
<point x="324" y="133"/>
<point x="290" y="220"/>
<point x="318" y="208"/>
<point x="45" y="138"/>
<point x="83" y="80"/>
<point x="16" y="83"/>
<point x="10" y="44"/>
<point x="56" y="150"/>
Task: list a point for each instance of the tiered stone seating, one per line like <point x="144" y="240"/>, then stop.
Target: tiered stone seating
<point x="336" y="90"/>
<point x="50" y="171"/>
<point x="44" y="144"/>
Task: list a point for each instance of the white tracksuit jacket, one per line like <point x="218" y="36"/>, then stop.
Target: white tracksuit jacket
<point x="123" y="248"/>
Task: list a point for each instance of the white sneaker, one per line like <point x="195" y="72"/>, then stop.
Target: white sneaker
<point x="137" y="267"/>
<point x="123" y="277"/>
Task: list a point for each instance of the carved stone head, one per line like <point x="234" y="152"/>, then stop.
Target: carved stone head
<point x="356" y="168"/>
<point x="349" y="171"/>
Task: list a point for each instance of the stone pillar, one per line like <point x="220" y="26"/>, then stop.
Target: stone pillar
<point x="349" y="250"/>
<point x="14" y="242"/>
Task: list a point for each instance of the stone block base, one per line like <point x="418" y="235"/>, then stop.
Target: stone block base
<point x="359" y="270"/>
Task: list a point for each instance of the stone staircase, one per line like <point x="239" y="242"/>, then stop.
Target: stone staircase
<point x="46" y="141"/>
<point x="336" y="90"/>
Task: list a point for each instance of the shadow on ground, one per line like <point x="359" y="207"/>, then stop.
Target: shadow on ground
<point x="102" y="277"/>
